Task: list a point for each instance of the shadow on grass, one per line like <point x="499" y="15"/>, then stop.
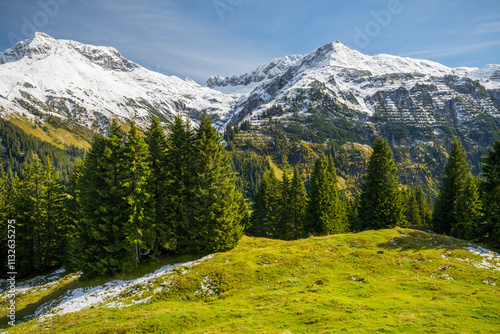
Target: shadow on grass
<point x="32" y="307"/>
<point x="416" y="240"/>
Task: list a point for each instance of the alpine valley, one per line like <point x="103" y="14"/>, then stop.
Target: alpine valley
<point x="333" y="99"/>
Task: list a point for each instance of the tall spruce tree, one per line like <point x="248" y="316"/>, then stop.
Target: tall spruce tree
<point x="216" y="216"/>
<point x="266" y="214"/>
<point x="490" y="189"/>
<point x="323" y="211"/>
<point x="54" y="228"/>
<point x="117" y="254"/>
<point x="72" y="215"/>
<point x="412" y="208"/>
<point x="424" y="207"/>
<point x="135" y="173"/>
<point x="380" y="201"/>
<point x="467" y="211"/>
<point x="157" y="183"/>
<point x="452" y="211"/>
<point x="282" y="228"/>
<point x="294" y="209"/>
<point x="29" y="211"/>
<point x="178" y="190"/>
<point x="91" y="232"/>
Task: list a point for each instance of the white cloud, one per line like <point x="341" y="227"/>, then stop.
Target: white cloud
<point x="452" y="50"/>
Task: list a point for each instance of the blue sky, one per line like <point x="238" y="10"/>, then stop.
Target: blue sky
<point x="199" y="38"/>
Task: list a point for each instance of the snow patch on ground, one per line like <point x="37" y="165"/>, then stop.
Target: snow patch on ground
<point x="38" y="283"/>
<point x="491" y="260"/>
<point x="110" y="293"/>
<point x="207" y="287"/>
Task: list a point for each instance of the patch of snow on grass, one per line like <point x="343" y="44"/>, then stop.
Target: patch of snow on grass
<point x="108" y="294"/>
<point x="208" y="287"/>
<point x="38" y="283"/>
<point x="488" y="282"/>
<point x="491" y="260"/>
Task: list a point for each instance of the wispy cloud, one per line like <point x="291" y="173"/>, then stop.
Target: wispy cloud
<point x="452" y="50"/>
<point x="487" y="28"/>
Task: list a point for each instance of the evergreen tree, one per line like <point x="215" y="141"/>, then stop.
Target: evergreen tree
<point x="348" y="213"/>
<point x="134" y="176"/>
<point x="113" y="208"/>
<point x="467" y="210"/>
<point x="216" y="211"/>
<point x="53" y="229"/>
<point x="323" y="214"/>
<point x="8" y="194"/>
<point x="178" y="190"/>
<point x="452" y="210"/>
<point x="490" y="187"/>
<point x="295" y="208"/>
<point x="424" y="208"/>
<point x="412" y="208"/>
<point x="157" y="183"/>
<point x="266" y="213"/>
<point x="72" y="215"/>
<point x="380" y="202"/>
<point x="285" y="214"/>
<point x="29" y="210"/>
<point x="91" y="232"/>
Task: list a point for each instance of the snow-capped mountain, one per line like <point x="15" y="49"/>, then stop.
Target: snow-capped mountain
<point x="64" y="78"/>
<point x="383" y="94"/>
<point x="333" y="91"/>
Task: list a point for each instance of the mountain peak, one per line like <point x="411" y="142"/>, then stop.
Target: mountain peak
<point x="41" y="46"/>
<point x="338" y="55"/>
<point x="267" y="70"/>
<point x="42" y="36"/>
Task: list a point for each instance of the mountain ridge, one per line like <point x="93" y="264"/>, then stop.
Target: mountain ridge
<point x="383" y="94"/>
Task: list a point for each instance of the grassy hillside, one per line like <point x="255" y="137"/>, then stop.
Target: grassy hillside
<point x="392" y="281"/>
<point x="55" y="131"/>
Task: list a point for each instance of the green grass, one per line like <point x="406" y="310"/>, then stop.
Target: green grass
<point x="56" y="136"/>
<point x="353" y="283"/>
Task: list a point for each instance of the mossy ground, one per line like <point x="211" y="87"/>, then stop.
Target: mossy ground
<point x="392" y="281"/>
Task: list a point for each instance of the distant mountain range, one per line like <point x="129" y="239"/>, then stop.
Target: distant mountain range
<point x="333" y="92"/>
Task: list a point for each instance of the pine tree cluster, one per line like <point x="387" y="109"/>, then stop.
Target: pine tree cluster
<point x="284" y="210"/>
<point x="131" y="196"/>
<point x="465" y="208"/>
<point x="136" y="196"/>
<point x="36" y="204"/>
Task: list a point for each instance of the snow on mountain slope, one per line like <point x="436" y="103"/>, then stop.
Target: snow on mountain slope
<point x="87" y="83"/>
<point x="413" y="92"/>
<point x="244" y="83"/>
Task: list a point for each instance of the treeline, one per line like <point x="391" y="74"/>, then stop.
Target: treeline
<point x="463" y="209"/>
<point x="35" y="206"/>
<point x="139" y="195"/>
<point x="131" y="196"/>
<point x="466" y="208"/>
<point x="18" y="150"/>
